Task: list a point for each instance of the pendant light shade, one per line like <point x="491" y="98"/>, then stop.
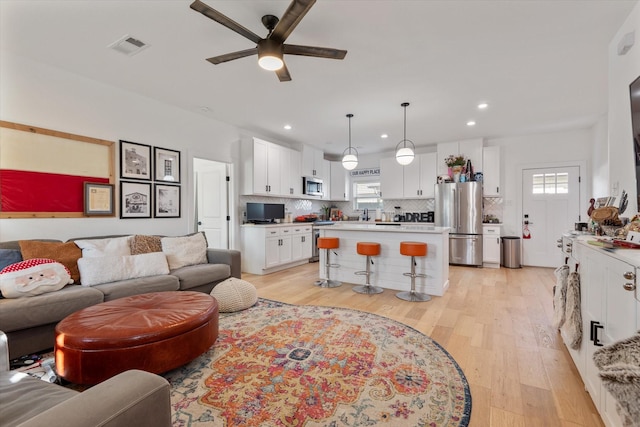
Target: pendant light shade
<point x="350" y="155"/>
<point x="404" y="152"/>
<point x="270" y="55"/>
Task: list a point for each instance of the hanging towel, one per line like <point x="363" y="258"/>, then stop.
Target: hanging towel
<point x="573" y="317"/>
<point x="619" y="365"/>
<point x="560" y="296"/>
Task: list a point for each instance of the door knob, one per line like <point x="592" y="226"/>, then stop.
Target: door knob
<point x="199" y="222"/>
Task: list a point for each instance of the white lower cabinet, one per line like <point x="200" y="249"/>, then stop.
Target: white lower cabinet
<point x="269" y="248"/>
<point x="609" y="313"/>
<point x="491" y="245"/>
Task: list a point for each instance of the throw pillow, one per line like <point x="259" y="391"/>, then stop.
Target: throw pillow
<point x="95" y="271"/>
<point x="9" y="256"/>
<point x="234" y="295"/>
<point x="185" y="250"/>
<point x="113" y="246"/>
<point x="66" y="254"/>
<point x="33" y="277"/>
<point x="145" y="244"/>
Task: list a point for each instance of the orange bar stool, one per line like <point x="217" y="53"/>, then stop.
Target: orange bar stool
<point x="413" y="249"/>
<point x="328" y="243"/>
<point x="369" y="249"/>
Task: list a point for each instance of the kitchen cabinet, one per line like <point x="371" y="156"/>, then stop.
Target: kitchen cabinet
<point x="312" y="161"/>
<point x="339" y="185"/>
<point x="609" y="308"/>
<point x="491" y="245"/>
<point x="413" y="181"/>
<point x="291" y="179"/>
<point x="325" y="175"/>
<point x="470" y="148"/>
<point x="269" y="248"/>
<point x="491" y="171"/>
<point x="265" y="169"/>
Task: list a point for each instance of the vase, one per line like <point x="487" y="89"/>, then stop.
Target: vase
<point x="456" y="170"/>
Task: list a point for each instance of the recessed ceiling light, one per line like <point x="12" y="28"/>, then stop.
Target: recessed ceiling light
<point x="384" y="135"/>
<point x="471" y="123"/>
<point x="483" y="105"/>
<point x="287" y="127"/>
<point x="128" y="45"/>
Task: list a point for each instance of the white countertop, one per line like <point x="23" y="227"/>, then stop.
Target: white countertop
<point x="387" y="227"/>
<point x="631" y="256"/>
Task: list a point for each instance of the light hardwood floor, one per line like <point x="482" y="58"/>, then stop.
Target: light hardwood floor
<point x="496" y="323"/>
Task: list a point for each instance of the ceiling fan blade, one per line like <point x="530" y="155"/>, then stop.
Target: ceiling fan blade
<point x="207" y="11"/>
<point x="283" y="74"/>
<point x="291" y="18"/>
<point x="233" y="55"/>
<point x="319" y="52"/>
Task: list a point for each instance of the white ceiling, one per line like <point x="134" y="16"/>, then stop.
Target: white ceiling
<point x="541" y="65"/>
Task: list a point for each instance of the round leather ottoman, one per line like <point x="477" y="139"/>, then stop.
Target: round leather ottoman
<point x="154" y="332"/>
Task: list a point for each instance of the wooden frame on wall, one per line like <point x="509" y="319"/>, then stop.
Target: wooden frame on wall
<point x="42" y="171"/>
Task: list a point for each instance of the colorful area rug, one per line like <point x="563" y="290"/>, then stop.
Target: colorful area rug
<point x="283" y="365"/>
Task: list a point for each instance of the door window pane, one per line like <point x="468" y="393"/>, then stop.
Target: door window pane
<point x="550" y="183"/>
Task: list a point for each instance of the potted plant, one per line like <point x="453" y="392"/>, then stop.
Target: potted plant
<point x="456" y="164"/>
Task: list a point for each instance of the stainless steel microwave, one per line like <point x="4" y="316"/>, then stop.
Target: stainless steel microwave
<point x="312" y="186"/>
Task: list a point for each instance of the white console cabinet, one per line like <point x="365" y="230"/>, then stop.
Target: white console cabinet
<point x="269" y="248"/>
<point x="609" y="307"/>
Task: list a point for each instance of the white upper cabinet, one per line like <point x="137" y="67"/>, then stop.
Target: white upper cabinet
<point x="312" y="161"/>
<point x="491" y="171"/>
<point x="325" y="175"/>
<point x="414" y="181"/>
<point x="265" y="168"/>
<point x="339" y="186"/>
<point x="291" y="172"/>
<point x="470" y="149"/>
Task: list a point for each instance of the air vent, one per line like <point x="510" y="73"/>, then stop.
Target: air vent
<point x="128" y="45"/>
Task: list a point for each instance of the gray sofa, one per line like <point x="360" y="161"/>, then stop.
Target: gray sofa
<point x="30" y="322"/>
<point x="130" y="398"/>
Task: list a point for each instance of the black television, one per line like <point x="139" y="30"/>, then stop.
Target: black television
<point x="264" y="213"/>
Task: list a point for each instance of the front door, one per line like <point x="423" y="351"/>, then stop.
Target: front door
<point x="212" y="205"/>
<point x="550" y="205"/>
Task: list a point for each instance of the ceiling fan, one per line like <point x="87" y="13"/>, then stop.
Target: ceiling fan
<point x="271" y="49"/>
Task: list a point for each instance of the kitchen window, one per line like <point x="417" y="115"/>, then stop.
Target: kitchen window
<point x="367" y="195"/>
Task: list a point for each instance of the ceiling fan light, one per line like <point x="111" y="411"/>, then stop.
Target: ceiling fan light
<point x="270" y="55"/>
<point x="349" y="162"/>
<point x="404" y="156"/>
<point x="270" y="63"/>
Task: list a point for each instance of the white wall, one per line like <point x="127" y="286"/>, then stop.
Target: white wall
<point x="35" y="94"/>
<point x="623" y="69"/>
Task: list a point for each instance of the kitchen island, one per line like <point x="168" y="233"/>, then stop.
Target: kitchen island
<point x="390" y="265"/>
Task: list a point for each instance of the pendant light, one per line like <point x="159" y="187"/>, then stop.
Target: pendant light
<point x="349" y="160"/>
<point x="404" y="154"/>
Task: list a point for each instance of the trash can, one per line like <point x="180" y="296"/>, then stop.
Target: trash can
<point x="511" y="251"/>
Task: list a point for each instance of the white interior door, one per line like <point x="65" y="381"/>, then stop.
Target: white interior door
<point x="550" y="203"/>
<point x="212" y="202"/>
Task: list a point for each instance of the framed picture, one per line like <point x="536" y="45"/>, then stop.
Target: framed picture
<point x="135" y="160"/>
<point x="135" y="199"/>
<point x="167" y="165"/>
<point x="98" y="199"/>
<point x="167" y="201"/>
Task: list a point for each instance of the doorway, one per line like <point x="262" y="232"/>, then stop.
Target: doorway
<point x="212" y="201"/>
<point x="550" y="207"/>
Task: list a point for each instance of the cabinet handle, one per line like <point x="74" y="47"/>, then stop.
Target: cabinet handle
<point x="629" y="275"/>
<point x="559" y="241"/>
<point x="594" y="333"/>
<point x="560" y="245"/>
<point x="498" y="240"/>
<point x="629" y="286"/>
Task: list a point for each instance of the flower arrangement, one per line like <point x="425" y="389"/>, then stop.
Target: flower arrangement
<point x="453" y="160"/>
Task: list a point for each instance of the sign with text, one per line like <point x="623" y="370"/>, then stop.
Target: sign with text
<point x="366" y="172"/>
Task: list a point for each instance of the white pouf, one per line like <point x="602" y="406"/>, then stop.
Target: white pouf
<point x="234" y="295"/>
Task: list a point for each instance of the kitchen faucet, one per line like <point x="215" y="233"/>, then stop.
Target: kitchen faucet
<point x="365" y="215"/>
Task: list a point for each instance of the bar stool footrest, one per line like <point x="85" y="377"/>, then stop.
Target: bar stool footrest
<point x="414" y="275"/>
<point x="362" y="273"/>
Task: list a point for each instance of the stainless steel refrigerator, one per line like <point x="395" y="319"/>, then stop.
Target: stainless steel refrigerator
<point x="459" y="206"/>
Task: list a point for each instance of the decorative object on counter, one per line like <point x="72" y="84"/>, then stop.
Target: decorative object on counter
<point x="405" y="155"/>
<point x="456" y="165"/>
<point x="623" y="202"/>
<point x="619" y="365"/>
<point x="349" y="160"/>
<point x="592" y="203"/>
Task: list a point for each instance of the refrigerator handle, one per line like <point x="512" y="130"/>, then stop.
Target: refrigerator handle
<point x="457" y="208"/>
